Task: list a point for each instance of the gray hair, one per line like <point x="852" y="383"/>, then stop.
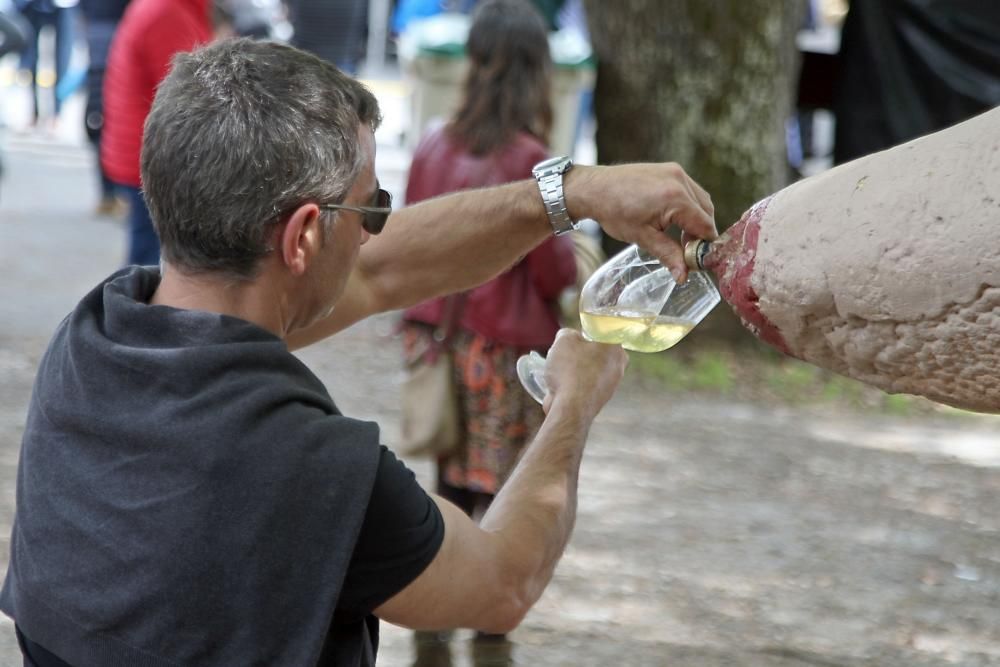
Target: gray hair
<point x="240" y="133"/>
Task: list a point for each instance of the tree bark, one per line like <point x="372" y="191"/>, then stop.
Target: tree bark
<point x="706" y="83"/>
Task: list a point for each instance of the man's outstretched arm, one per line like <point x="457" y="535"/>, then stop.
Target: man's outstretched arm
<point x="487" y="577"/>
<point x="461" y="240"/>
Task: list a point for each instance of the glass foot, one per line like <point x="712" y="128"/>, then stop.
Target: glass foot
<point x="531" y="372"/>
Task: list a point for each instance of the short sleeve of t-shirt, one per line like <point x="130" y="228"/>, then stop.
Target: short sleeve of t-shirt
<point x="401" y="533"/>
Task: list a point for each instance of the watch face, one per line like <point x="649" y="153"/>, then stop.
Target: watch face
<point x="553" y="164"/>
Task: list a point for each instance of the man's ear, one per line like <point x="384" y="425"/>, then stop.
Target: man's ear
<point x="301" y="238"/>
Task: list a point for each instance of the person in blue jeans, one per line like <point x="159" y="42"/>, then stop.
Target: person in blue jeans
<point x="12" y="39"/>
<point x="61" y="18"/>
<point x="100" y="20"/>
<point x="144" y="245"/>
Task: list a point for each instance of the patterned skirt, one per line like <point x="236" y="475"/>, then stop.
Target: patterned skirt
<point x="498" y="417"/>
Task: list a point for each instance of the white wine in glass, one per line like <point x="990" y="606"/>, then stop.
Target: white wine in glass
<point x="632" y="300"/>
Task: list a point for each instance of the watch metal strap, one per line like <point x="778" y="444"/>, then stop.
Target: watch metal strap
<point x="551" y="186"/>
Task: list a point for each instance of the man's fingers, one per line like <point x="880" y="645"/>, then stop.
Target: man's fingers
<point x="692" y="219"/>
<point x="567" y="332"/>
<point x="667" y="250"/>
<point x="689" y="206"/>
<point x="705" y="200"/>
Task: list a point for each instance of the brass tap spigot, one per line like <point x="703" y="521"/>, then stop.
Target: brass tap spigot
<point x="694" y="254"/>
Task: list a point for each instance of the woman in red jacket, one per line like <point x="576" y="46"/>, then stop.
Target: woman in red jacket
<point x="498" y="133"/>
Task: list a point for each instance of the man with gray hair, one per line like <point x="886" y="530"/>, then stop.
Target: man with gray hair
<point x="188" y="492"/>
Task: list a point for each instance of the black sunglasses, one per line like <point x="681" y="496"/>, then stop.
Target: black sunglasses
<point x="374" y="216"/>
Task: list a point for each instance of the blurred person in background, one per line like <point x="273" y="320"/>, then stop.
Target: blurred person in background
<point x="60" y="17"/>
<point x="496" y="136"/>
<point x="150" y="33"/>
<point x="407" y="11"/>
<point x="911" y="67"/>
<point x="334" y="30"/>
<point x="13" y="36"/>
<point x="12" y="40"/>
<point x="101" y="17"/>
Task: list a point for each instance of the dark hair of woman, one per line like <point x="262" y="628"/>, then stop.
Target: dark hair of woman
<point x="507" y="86"/>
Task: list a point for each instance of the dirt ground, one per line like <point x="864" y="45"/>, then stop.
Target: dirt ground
<point x="738" y="535"/>
<point x="708" y="534"/>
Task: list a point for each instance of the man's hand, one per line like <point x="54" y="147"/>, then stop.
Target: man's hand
<point x="637" y="203"/>
<point x="583" y="373"/>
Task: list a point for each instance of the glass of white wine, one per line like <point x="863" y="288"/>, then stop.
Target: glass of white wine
<point x="632" y="300"/>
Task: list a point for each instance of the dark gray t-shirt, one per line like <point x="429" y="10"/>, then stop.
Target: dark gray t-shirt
<point x="189" y="494"/>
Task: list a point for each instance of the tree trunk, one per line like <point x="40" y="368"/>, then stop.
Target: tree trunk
<point x="705" y="83"/>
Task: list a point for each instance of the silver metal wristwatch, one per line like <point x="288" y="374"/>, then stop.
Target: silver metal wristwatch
<point x="549" y="174"/>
